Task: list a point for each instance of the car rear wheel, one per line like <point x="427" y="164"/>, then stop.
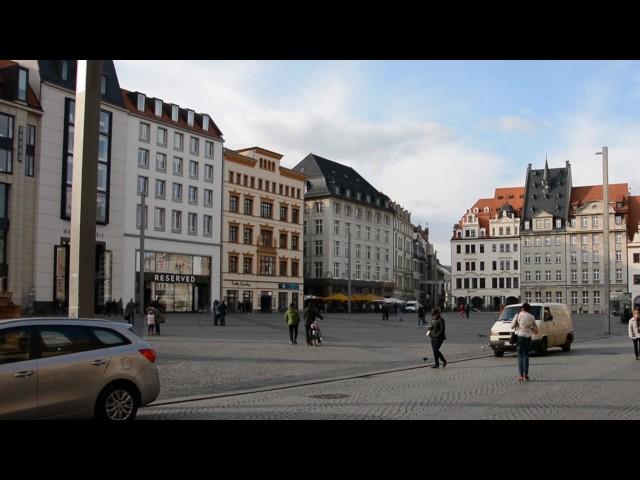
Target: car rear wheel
<point x="118" y="402"/>
<point x="567" y="346"/>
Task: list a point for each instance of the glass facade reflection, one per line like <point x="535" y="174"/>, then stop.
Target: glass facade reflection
<point x="181" y="282"/>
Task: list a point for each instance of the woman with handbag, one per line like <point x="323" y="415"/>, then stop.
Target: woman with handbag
<point x="524" y="326"/>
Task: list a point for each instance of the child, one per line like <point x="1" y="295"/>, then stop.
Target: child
<point x="151" y="321"/>
<point x="316" y="337"/>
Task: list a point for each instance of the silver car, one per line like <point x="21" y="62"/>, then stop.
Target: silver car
<point x="80" y="368"/>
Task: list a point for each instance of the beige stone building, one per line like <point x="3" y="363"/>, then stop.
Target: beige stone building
<point x="262" y="232"/>
<point x="20" y="120"/>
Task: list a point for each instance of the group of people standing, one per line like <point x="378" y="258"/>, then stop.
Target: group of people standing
<point x="155" y="316"/>
<point x="309" y="314"/>
<point x="220" y="313"/>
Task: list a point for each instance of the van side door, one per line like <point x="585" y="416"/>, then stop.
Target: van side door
<point x="548" y="320"/>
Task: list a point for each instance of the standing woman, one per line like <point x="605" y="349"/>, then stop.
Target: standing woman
<point x="634" y="330"/>
<point x="525" y="326"/>
<point x="436" y="332"/>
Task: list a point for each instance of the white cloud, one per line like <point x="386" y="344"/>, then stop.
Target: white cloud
<point x="513" y="123"/>
<point x="425" y="166"/>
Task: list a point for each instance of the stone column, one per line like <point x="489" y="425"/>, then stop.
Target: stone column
<point x="85" y="177"/>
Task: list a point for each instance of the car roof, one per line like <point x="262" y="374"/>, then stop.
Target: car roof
<point x="92" y="322"/>
<point x="539" y="304"/>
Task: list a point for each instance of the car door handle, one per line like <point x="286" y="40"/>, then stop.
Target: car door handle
<point x="26" y="373"/>
<point x="97" y="363"/>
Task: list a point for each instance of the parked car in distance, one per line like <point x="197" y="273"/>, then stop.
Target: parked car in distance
<point x="412" y="306"/>
<point x="74" y="368"/>
<point x="555" y="328"/>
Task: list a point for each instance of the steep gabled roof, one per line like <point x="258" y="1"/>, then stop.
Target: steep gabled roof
<point x="548" y="189"/>
<point x="634" y="215"/>
<point x="326" y="177"/>
<point x="617" y="193"/>
<point x="9" y="81"/>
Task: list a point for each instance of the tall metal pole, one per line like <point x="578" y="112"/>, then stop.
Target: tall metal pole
<point x="82" y="264"/>
<point x="349" y="266"/>
<point x="607" y="253"/>
<point x="139" y="326"/>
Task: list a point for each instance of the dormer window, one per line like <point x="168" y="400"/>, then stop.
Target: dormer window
<point x="190" y="118"/>
<point x="23" y="81"/>
<point x="158" y="109"/>
<point x="141" y="100"/>
<point x="64" y="70"/>
<point x="174" y="113"/>
<point x="526" y="224"/>
<point x="205" y="123"/>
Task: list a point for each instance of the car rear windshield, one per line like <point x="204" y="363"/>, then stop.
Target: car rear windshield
<point x="510" y="312"/>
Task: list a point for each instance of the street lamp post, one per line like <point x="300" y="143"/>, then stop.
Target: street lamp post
<point x="139" y="326"/>
<point x="349" y="267"/>
<point x="607" y="253"/>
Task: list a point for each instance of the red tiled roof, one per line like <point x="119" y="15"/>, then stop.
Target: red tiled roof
<point x="582" y="195"/>
<point x="513" y="196"/>
<point x="634" y="215"/>
<point x="149" y="112"/>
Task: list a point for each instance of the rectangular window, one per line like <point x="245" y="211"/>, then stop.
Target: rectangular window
<point x="207" y="225"/>
<point x="177" y="192"/>
<point x="284" y="213"/>
<point x="233" y="264"/>
<point x="143" y="158"/>
<point x="144" y="132"/>
<point x="143" y="185"/>
<point x="515" y="282"/>
<point x="178" y="141"/>
<point x="146" y="216"/>
<point x="23" y="82"/>
<point x="208" y="172"/>
<point x="193" y="223"/>
<point x="193" y="169"/>
<point x="233" y="203"/>
<point x="527" y="276"/>
<point x="283" y="240"/>
<point x="194" y="146"/>
<point x="574" y="298"/>
<point x="233" y="233"/>
<point x="177" y="166"/>
<point x="248" y="235"/>
<point x="558" y="275"/>
<point x="208" y="149"/>
<point x="104" y="159"/>
<point x="318" y="226"/>
<point x="161" y="162"/>
<point x="176" y="221"/>
<point x="266" y="210"/>
<point x="30" y="159"/>
<point x="318" y="248"/>
<point x="158" y="222"/>
<point x="585" y="297"/>
<point x="268" y="266"/>
<point x="160" y="189"/>
<point x="141" y="102"/>
<point x="162" y="137"/>
<point x="193" y="195"/>
<point x="295" y="215"/>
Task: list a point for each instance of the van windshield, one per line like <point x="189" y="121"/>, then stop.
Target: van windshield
<point x="509" y="312"/>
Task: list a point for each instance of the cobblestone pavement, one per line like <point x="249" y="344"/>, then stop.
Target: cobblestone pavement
<point x="253" y="350"/>
<point x="598" y="379"/>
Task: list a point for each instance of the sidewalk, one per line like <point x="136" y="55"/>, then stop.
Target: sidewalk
<point x="598" y="379"/>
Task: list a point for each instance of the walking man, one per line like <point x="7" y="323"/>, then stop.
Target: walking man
<point x="292" y="317"/>
<point x="130" y="311"/>
<point x="467" y="310"/>
<point x="436" y="332"/>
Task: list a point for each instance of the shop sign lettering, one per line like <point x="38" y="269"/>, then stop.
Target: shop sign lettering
<point x="173" y="278"/>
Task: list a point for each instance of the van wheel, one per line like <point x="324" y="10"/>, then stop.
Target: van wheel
<point x="498" y="353"/>
<point x="567" y="346"/>
<point x="118" y="401"/>
<point x="543" y="347"/>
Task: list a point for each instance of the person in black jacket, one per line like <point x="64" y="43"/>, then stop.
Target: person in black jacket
<point x="309" y="314"/>
<point x="436" y="332"/>
<point x="222" y="308"/>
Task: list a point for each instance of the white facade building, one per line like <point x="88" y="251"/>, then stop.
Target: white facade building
<point x="175" y="157"/>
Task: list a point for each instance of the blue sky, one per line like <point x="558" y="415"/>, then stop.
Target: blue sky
<point x="433" y="135"/>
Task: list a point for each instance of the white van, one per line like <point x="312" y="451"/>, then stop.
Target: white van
<point x="412" y="306"/>
<point x="555" y="328"/>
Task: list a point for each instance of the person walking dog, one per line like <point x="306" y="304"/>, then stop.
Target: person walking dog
<point x="524" y="325"/>
<point x="437" y="335"/>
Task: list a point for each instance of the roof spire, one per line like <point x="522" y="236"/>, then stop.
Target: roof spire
<point x="545" y="176"/>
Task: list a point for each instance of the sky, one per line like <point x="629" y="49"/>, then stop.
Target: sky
<point x="435" y="136"/>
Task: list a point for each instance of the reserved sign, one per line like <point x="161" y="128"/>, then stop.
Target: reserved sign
<point x="173" y="278"/>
